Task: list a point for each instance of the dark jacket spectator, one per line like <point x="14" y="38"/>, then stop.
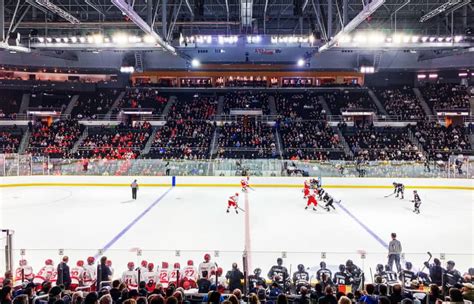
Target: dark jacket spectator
<point x="64" y="277"/>
<point x="235" y="277"/>
<point x="328" y="297"/>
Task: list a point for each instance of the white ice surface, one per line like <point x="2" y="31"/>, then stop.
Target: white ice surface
<point x="82" y="220"/>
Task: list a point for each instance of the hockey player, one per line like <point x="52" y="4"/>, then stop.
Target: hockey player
<point x="207" y="265"/>
<point x="256" y="281"/>
<point x="355" y="273"/>
<point x="379" y="271"/>
<point x="175" y="275"/>
<point x="150" y="277"/>
<point x="23" y="273"/>
<point x="278" y="273"/>
<point x="130" y="276"/>
<point x="143" y="268"/>
<point x="315" y="183"/>
<point x="77" y="275"/>
<point x="233" y="202"/>
<point x="164" y="274"/>
<point x="417" y="201"/>
<point x="398" y="189"/>
<point x="407" y="275"/>
<point x="389" y="277"/>
<point x="45" y="273"/>
<point x="312" y="201"/>
<point x="452" y="277"/>
<point x="341" y="277"/>
<point x="90" y="272"/>
<point x="323" y="270"/>
<point x="244" y="183"/>
<point x="217" y="278"/>
<point x="112" y="270"/>
<point x="300" y="278"/>
<point x="190" y="274"/>
<point x="435" y="270"/>
<point x="329" y="200"/>
<point x="306" y="189"/>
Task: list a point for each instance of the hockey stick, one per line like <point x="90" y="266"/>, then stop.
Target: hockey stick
<point x="424" y="266"/>
<point x="240" y="209"/>
<point x="390" y="194"/>
<point x="251" y="188"/>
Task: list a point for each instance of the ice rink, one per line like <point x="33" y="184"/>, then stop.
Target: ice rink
<point x="175" y="224"/>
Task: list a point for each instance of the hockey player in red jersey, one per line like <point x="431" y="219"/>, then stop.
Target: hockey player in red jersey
<point x="77" y="274"/>
<point x="190" y="275"/>
<point x="23" y="273"/>
<point x="312" y="200"/>
<point x="150" y="277"/>
<point x="164" y="275"/>
<point x="130" y="276"/>
<point x="45" y="273"/>
<point x="244" y="182"/>
<point x="233" y="202"/>
<point x="207" y="265"/>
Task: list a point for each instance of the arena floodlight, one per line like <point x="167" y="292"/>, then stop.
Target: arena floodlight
<point x="195" y="63"/>
<point x="82" y="39"/>
<point x="49" y="39"/>
<point x="73" y="39"/>
<point x="57" y="40"/>
<point x="300" y="62"/>
<point x="128" y="10"/>
<point x="149" y="39"/>
<point x="424" y="39"/>
<point x="421" y="76"/>
<point x="58" y="11"/>
<point x="458" y="38"/>
<point x="463" y="74"/>
<point x="41" y="39"/>
<point x="120" y="38"/>
<point x="415" y="39"/>
<point x="432" y="76"/>
<point x="368" y="10"/>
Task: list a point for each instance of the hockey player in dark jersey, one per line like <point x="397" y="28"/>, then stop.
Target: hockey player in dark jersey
<point x="452" y="277"/>
<point x="406" y="275"/>
<point x="341" y="277"/>
<point x="389" y="276"/>
<point x="315" y="183"/>
<point x="278" y="273"/>
<point x="398" y="189"/>
<point x="300" y="278"/>
<point x="379" y="270"/>
<point x="329" y="200"/>
<point x="417" y="201"/>
<point x="256" y="281"/>
<point x="323" y="270"/>
<point x="355" y="273"/>
<point x="436" y="272"/>
<point x="321" y="192"/>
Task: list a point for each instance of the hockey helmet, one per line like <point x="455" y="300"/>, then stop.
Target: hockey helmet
<point x="300" y="267"/>
<point x="48" y="262"/>
<point x="349" y="263"/>
<point x="207" y="256"/>
<point x="190" y="263"/>
<point x="164" y="265"/>
<point x="379" y="267"/>
<point x="388" y="268"/>
<point x="322" y="265"/>
<point x="144" y="263"/>
<point x="342" y="268"/>
<point x="408" y="265"/>
<point x="150" y="266"/>
<point x="236" y="194"/>
<point x="130" y="265"/>
<point x="23" y="262"/>
<point x="176" y="266"/>
<point x="219" y="271"/>
<point x="80" y="263"/>
<point x="257" y="271"/>
<point x="90" y="260"/>
<point x="280" y="261"/>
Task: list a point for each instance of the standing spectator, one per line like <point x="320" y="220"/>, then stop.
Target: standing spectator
<point x="134" y="186"/>
<point x="64" y="276"/>
<point x="235" y="277"/>
<point x="369" y="296"/>
<point x="394" y="251"/>
<point x="104" y="274"/>
<point x="328" y="297"/>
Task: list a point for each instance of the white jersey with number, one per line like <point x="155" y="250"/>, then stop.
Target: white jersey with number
<point x="174" y="276"/>
<point x="130" y="277"/>
<point x="221" y="280"/>
<point x="44" y="274"/>
<point x="164" y="277"/>
<point x="209" y="266"/>
<point x="90" y="275"/>
<point x="77" y="275"/>
<point x="190" y="273"/>
<point x="150" y="277"/>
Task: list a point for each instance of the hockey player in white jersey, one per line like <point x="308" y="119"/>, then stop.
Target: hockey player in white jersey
<point x="130" y="276"/>
<point x="90" y="273"/>
<point x="45" y="273"/>
<point x="150" y="277"/>
<point x="175" y="275"/>
<point x="190" y="274"/>
<point x="164" y="274"/>
<point x="77" y="275"/>
<point x="207" y="265"/>
<point x="218" y="273"/>
<point x="24" y="273"/>
<point x="143" y="268"/>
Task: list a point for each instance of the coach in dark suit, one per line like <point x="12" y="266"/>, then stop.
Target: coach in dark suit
<point x="64" y="277"/>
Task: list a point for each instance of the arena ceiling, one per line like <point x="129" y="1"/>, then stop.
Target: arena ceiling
<point x="233" y="17"/>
